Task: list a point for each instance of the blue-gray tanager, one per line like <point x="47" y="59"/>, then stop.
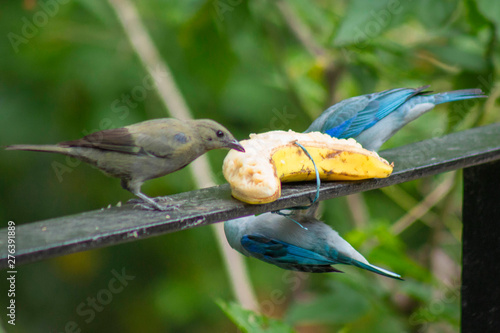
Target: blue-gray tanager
<point x="374" y="118"/>
<point x="280" y="241"/>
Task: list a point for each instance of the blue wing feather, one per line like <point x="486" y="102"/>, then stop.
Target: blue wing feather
<point x="381" y="105"/>
<point x="279" y="252"/>
<point x="349" y="118"/>
<point x="338" y="130"/>
<point x="289" y="256"/>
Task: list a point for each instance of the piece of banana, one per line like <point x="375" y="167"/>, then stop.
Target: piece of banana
<point x="273" y="157"/>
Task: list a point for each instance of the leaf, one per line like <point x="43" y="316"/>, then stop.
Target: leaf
<point x="249" y="321"/>
<point x="434" y="14"/>
<point x="417" y="290"/>
<point x="207" y="51"/>
<point x="99" y="9"/>
<point x="345" y="305"/>
<point x="365" y="77"/>
<point x="490" y="9"/>
<point x="458" y="57"/>
<point x="320" y="19"/>
<point x="367" y="19"/>
<point x="475" y="18"/>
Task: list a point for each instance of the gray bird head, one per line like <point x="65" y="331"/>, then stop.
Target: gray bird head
<point x="216" y="136"/>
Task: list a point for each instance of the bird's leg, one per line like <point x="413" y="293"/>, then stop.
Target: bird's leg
<point x="146" y="202"/>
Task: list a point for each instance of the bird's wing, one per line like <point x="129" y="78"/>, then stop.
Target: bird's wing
<point x="163" y="137"/>
<point x="286" y="255"/>
<point x="358" y="114"/>
<point x="116" y="139"/>
<point x="339" y="117"/>
<point x="157" y="137"/>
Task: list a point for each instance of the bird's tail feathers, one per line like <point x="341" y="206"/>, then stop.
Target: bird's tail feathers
<point x="376" y="269"/>
<point x="458" y="95"/>
<point x="42" y="148"/>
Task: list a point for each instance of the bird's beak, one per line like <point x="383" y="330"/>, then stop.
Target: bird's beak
<point x="234" y="144"/>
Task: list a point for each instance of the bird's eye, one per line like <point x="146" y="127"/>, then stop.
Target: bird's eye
<point x="219" y="134"/>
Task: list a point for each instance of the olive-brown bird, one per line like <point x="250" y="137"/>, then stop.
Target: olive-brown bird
<point x="145" y="150"/>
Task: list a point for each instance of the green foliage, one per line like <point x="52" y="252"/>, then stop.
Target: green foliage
<point x="491" y="10"/>
<point x="342" y="306"/>
<point x="365" y="19"/>
<point x="242" y="64"/>
<point x="250" y="322"/>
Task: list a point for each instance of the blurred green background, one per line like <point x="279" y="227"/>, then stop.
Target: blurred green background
<point x="67" y="69"/>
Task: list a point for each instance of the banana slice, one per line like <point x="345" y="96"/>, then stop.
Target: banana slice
<point x="273" y="157"/>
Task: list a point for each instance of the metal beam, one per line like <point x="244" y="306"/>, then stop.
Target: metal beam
<point x="481" y="249"/>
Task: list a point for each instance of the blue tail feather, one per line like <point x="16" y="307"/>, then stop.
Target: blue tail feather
<point x="347" y="260"/>
<point x="375" y="269"/>
<point x="458" y="95"/>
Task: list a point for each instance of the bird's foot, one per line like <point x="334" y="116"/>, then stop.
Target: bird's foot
<point x="157" y="200"/>
<point x="153" y="203"/>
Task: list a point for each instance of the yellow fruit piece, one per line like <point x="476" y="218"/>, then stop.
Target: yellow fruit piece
<point x="273" y="157"/>
<point x="332" y="164"/>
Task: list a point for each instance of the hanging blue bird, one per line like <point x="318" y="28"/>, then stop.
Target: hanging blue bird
<point x="285" y="242"/>
<point x="374" y="118"/>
